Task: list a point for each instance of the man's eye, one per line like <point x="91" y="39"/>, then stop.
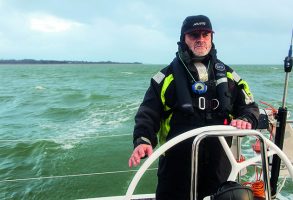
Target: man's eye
<point x="195" y="35"/>
<point x="198" y="35"/>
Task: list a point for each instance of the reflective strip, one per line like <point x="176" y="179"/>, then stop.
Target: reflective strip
<point x="146" y="140"/>
<point x="159" y="77"/>
<point x="202" y="71"/>
<point x="236" y="77"/>
<point x="166" y="84"/>
<point x="248" y="99"/>
<point x="221" y="80"/>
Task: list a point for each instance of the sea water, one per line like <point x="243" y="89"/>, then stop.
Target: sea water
<point x="65" y="130"/>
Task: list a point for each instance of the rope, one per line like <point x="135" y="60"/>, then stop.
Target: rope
<point x="258" y="189"/>
<point x="71" y="175"/>
<point x="54" y="139"/>
<point x="257" y="186"/>
<point x="272" y="108"/>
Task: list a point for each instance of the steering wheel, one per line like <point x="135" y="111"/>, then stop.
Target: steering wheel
<point x="217" y="131"/>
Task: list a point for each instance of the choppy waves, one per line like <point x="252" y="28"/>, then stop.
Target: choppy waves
<point x="58" y="120"/>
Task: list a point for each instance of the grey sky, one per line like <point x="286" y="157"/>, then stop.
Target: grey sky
<point x="246" y="32"/>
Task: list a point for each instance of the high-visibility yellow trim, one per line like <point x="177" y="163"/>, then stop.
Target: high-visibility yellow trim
<point x="166" y="84"/>
<point x="231" y="117"/>
<point x="245" y="87"/>
<point x="164" y="130"/>
<point x="165" y="124"/>
<point x="230" y="76"/>
<point x="241" y="82"/>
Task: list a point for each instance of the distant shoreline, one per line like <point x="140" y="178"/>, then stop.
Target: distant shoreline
<point x="32" y="61"/>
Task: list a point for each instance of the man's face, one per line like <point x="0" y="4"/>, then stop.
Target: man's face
<point x="199" y="42"/>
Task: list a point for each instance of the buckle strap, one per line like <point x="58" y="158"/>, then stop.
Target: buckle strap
<point x="202" y="103"/>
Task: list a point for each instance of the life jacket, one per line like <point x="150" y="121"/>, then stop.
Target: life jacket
<point x="186" y="102"/>
<point x="217" y="100"/>
<point x="219" y="81"/>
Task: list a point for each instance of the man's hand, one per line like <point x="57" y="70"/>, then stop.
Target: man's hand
<point x="240" y="124"/>
<point x="139" y="152"/>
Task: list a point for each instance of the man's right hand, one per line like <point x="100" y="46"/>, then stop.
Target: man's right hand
<point x="139" y="152"/>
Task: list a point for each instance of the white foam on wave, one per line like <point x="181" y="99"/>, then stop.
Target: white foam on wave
<point x="39" y="87"/>
<point x="67" y="146"/>
<point x="127" y="73"/>
<point x="103" y="120"/>
<point x="118" y="121"/>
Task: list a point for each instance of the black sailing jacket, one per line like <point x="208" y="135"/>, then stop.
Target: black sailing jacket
<point x="161" y="117"/>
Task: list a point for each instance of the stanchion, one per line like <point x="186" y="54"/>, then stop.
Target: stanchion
<point x="281" y="124"/>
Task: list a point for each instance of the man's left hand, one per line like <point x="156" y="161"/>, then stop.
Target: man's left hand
<point x="240" y="124"/>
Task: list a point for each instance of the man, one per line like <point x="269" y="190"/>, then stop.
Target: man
<point x="195" y="90"/>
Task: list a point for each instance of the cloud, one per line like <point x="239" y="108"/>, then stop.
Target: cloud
<point x="50" y="24"/>
<point x="106" y="39"/>
<point x="137" y="30"/>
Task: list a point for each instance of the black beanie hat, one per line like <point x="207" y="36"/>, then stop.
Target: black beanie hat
<point x="196" y="23"/>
